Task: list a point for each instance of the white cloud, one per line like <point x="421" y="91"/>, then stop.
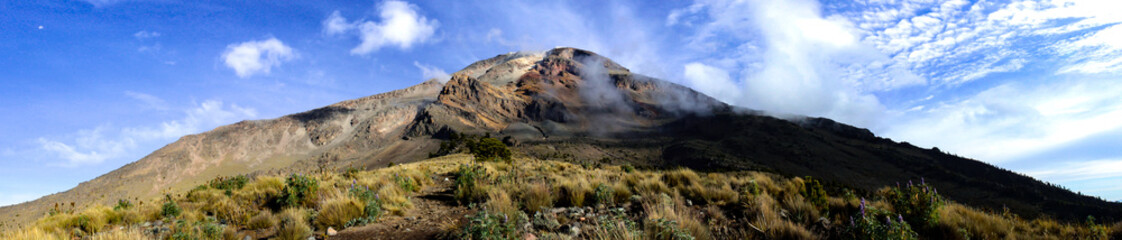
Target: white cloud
<point x="255" y="57"/>
<point x="149" y="101"/>
<point x="94" y="146"/>
<point x="401" y="26"/>
<point x="432" y="72"/>
<point x="1083" y="170"/>
<point x="145" y="35"/>
<point x="1013" y="121"/>
<point x="713" y="81"/>
<point x="791" y="60"/>
<point x="336" y="24"/>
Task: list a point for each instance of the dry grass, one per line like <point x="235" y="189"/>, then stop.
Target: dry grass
<point x="337" y="210"/>
<point x="727" y="205"/>
<point x="535" y="196"/>
<point x="498" y="200"/>
<point x="293" y="224"/>
<point x="32" y="233"/>
<point x="120" y="234"/>
<point x="573" y="191"/>
<point x="263" y="220"/>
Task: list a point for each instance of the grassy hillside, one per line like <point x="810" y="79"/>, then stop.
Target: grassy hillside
<point x="549" y="199"/>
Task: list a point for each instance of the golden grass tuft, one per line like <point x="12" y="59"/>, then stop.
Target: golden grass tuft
<point x="499" y="201"/>
<point x="674" y="209"/>
<point x="573" y="191"/>
<point x="32" y="233"/>
<point x="121" y="234"/>
<point x="263" y="220"/>
<point x="293" y="224"/>
<point x="337" y="210"/>
<point x="535" y="196"/>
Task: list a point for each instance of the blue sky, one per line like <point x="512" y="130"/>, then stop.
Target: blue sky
<point x="1031" y="86"/>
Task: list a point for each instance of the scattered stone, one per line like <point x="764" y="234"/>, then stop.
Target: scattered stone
<point x="146" y="224"/>
<point x="689" y="203"/>
<point x="331" y="231"/>
<point x="247" y="237"/>
<point x="312" y="238"/>
<point x="574" y="230"/>
<point x="529" y="236"/>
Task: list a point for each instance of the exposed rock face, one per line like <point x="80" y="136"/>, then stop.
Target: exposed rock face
<point x="567" y="104"/>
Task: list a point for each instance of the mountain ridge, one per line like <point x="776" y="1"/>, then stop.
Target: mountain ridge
<point x="570" y="103"/>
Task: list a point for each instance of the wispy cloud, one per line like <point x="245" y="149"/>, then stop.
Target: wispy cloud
<point x="257" y="57"/>
<point x="1015" y="120"/>
<point x="97" y="145"/>
<point x="149" y="101"/>
<point x="144" y="34"/>
<point x="431" y="72"/>
<point x="401" y="25"/>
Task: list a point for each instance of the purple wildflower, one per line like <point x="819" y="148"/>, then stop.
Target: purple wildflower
<point x="909" y="182"/>
<point x="887" y="220"/>
<point x="901" y="217"/>
<point x="922" y="181"/>
<point x="862" y="207"/>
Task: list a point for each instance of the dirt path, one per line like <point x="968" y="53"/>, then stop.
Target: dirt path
<point x="434" y="209"/>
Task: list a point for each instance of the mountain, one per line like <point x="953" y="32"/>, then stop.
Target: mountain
<point x="572" y="105"/>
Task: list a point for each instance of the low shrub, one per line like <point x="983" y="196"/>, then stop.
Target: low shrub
<point x="668" y="230"/>
<point x="469" y="186"/>
<point x="170" y="209"/>
<point x="299" y="190"/>
<point x="489" y="149"/>
<point x="814" y="193"/>
<point x="489" y="225"/>
<point x="873" y="223"/>
<point x="918" y="203"/>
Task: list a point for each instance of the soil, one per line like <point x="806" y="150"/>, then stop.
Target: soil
<point x="434" y="211"/>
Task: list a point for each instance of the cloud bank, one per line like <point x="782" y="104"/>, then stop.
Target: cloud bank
<point x="97" y="145"/>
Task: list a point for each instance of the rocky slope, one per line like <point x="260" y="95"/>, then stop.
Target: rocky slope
<point x="573" y="105"/>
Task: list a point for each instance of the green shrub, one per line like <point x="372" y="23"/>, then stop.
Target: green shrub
<point x="351" y="173"/>
<point x="918" y="203"/>
<point x="299" y="190"/>
<point x="370" y="211"/>
<point x="122" y="204"/>
<point x="815" y="194"/>
<point x="615" y="226"/>
<point x="406" y="183"/>
<point x="228" y="183"/>
<point x="170" y="208"/>
<point x="872" y="223"/>
<point x="486" y="225"/>
<point x="628" y="168"/>
<point x="469" y="186"/>
<point x="604" y="194"/>
<point x="489" y="149"/>
<point x="669" y="230"/>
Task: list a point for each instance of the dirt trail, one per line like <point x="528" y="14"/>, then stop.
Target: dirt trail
<point x="434" y="209"/>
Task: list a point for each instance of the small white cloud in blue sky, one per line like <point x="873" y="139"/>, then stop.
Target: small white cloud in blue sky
<point x="256" y="57"/>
